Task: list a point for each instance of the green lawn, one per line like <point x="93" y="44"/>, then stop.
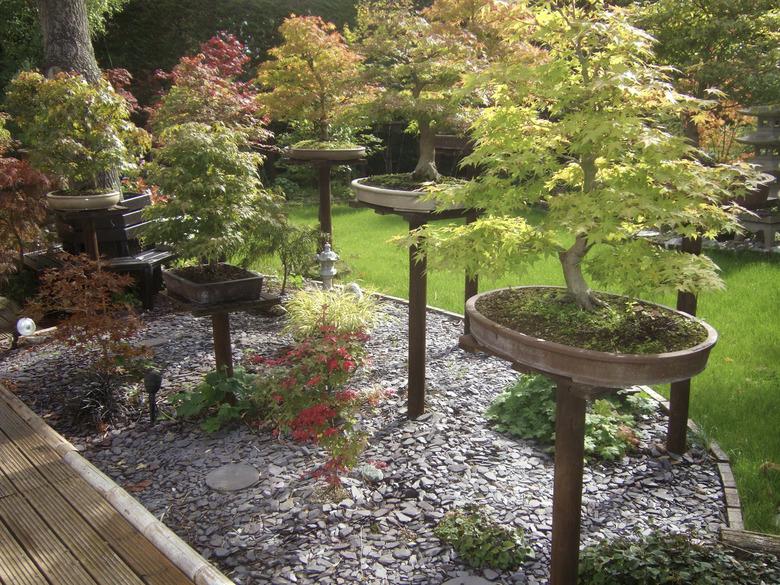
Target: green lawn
<point x="736" y="400"/>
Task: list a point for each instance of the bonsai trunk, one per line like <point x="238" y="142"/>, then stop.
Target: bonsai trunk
<point x="323" y="130"/>
<point x="571" y="261"/>
<point x="426" y="164"/>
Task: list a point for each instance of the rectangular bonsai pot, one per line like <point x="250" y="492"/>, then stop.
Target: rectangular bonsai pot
<point x="213" y="293"/>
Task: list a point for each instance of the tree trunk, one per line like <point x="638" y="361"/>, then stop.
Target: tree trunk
<point x="66" y="42"/>
<point x="426" y="163"/>
<point x="576" y="286"/>
<point x="67" y="47"/>
<point x="690" y="130"/>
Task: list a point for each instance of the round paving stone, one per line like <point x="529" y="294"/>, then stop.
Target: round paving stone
<point x="232" y="478"/>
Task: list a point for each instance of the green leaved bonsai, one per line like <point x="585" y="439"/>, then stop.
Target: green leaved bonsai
<point x="213" y="204"/>
<point x="313" y="78"/>
<point x="78" y="133"/>
<point x="416" y="61"/>
<point x="582" y="123"/>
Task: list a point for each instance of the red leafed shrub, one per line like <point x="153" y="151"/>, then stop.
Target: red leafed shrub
<point x="99" y="320"/>
<point x="22" y="208"/>
<point x="207" y="87"/>
<point x="121" y="79"/>
<point x="310" y="400"/>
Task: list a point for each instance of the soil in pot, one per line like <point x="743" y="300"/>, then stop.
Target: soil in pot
<point x="210" y="273"/>
<point x="404" y="182"/>
<point x="621" y="325"/>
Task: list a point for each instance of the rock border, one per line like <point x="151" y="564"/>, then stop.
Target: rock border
<point x="185" y="558"/>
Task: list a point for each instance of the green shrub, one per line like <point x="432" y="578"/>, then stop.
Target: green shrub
<point x="480" y="542"/>
<point x="672" y="559"/>
<point x="527" y="410"/>
<point x="224" y="399"/>
<point x="311" y="310"/>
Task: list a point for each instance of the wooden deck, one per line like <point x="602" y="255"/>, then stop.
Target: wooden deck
<point x="55" y="529"/>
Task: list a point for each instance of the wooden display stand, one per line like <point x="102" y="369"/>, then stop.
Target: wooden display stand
<point x="220" y="322"/>
<point x="418" y="285"/>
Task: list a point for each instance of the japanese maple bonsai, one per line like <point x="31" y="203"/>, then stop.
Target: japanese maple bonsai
<point x="417" y="62"/>
<point x="314" y="79"/>
<point x="583" y="130"/>
<point x="78" y="133"/>
<point x="212" y="207"/>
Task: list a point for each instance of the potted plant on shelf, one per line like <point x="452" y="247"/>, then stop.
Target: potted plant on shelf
<point x="583" y="130"/>
<point x="314" y="79"/>
<point x="416" y="59"/>
<point x="78" y="133"/>
<point x="213" y="207"/>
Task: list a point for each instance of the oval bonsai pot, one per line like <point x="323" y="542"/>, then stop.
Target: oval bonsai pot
<point x="59" y="201"/>
<point x="334" y="154"/>
<point x="394" y="198"/>
<point x="585" y="366"/>
<point x="212" y="293"/>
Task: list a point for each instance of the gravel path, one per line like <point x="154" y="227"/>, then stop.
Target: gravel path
<point x="283" y="531"/>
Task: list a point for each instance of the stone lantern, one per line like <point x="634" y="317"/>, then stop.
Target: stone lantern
<point x="766" y="143"/>
<point x="327" y="259"/>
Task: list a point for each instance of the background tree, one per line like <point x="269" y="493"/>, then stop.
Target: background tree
<point x="731" y="46"/>
<point x="583" y="128"/>
<point x="311" y="76"/>
<point x="21" y="39"/>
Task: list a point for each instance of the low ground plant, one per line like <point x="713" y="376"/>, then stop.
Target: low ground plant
<point x="223" y="399"/>
<point x="526" y="409"/>
<point x="308" y="311"/>
<point x="673" y="559"/>
<point x="480" y="541"/>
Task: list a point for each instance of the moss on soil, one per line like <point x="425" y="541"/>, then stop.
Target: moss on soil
<point x="622" y="325"/>
<point x="209" y="273"/>
<point x="404" y="182"/>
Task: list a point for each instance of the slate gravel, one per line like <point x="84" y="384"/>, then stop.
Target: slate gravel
<point x="285" y="530"/>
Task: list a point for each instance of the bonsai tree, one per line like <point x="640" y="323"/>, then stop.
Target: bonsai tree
<point x="583" y="130"/>
<point x="213" y="204"/>
<point x="312" y="76"/>
<point x="207" y="88"/>
<point x="417" y="63"/>
<point x="77" y="132"/>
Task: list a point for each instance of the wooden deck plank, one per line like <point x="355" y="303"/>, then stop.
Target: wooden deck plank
<point x="16" y="568"/>
<point x="83" y="542"/>
<point x="34" y="447"/>
<point x="131" y="545"/>
<point x="44" y="548"/>
<point x="17" y="468"/>
<point x="6" y="487"/>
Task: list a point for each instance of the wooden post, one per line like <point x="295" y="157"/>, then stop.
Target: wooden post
<point x="472" y="284"/>
<point x="567" y="490"/>
<point x="223" y="355"/>
<point x="417" y="305"/>
<point x="326" y="224"/>
<point x="90" y="238"/>
<point x="680" y="392"/>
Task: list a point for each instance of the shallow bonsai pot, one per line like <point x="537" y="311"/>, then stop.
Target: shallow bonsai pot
<point x="335" y="154"/>
<point x="394" y="198"/>
<point x="212" y="293"/>
<point x="82" y="202"/>
<point x="584" y="366"/>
